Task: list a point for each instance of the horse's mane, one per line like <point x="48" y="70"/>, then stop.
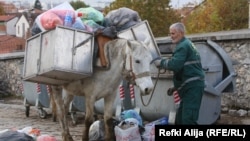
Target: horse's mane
<point x="114" y="48"/>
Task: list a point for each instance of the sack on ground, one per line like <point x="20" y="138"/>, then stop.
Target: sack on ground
<point x="131" y="114"/>
<point x="46" y="138"/>
<point x="149" y="133"/>
<point x="96" y="131"/>
<point x="15" y="136"/>
<point x="128" y="130"/>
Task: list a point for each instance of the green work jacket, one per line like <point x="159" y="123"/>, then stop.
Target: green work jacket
<point x="186" y="65"/>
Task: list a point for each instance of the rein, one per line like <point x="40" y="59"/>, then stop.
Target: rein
<point x="142" y="101"/>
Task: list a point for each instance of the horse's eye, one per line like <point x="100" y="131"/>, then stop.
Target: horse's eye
<point x="137" y="61"/>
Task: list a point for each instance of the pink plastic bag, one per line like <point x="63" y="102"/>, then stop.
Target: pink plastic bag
<point x="46" y="138"/>
<point x="55" y="16"/>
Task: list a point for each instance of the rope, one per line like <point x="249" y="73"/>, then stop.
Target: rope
<point x="142" y="101"/>
<point x="157" y="58"/>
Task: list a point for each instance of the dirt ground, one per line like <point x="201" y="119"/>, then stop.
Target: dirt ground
<point x="12" y="115"/>
<point x="233" y="120"/>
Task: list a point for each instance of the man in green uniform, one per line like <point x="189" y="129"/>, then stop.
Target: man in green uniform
<point x="188" y="76"/>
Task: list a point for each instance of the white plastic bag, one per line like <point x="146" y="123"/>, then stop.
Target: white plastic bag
<point x="149" y="133"/>
<point x="128" y="131"/>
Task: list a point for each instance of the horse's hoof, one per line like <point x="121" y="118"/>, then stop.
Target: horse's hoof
<point x="68" y="138"/>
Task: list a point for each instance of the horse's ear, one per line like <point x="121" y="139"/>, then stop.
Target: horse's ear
<point x="143" y="38"/>
<point x="130" y="46"/>
<point x="147" y="41"/>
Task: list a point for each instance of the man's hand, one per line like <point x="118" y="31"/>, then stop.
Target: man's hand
<point x="157" y="63"/>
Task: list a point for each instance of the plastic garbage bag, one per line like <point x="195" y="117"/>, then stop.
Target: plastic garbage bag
<point x="131" y="114"/>
<point x="33" y="132"/>
<point x="122" y="18"/>
<point x="79" y="24"/>
<point x="55" y="16"/>
<point x="128" y="130"/>
<point x="15" y="136"/>
<point x="46" y="138"/>
<point x="93" y="25"/>
<point x="90" y="13"/>
<point x="96" y="131"/>
<point x="149" y="133"/>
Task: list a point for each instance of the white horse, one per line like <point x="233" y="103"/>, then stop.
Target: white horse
<point x="128" y="60"/>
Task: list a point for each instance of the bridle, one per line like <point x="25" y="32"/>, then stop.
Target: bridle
<point x="130" y="76"/>
<point x="129" y="73"/>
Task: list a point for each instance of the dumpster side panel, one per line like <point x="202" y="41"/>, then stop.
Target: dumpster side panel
<point x="30" y="92"/>
<point x="32" y="54"/>
<point x="66" y="55"/>
<point x="78" y="104"/>
<point x="47" y="51"/>
<point x="142" y="32"/>
<point x="211" y="63"/>
<point x="63" y="46"/>
<point x="210" y="109"/>
<point x="160" y="105"/>
<point x="84" y="54"/>
<point x="43" y="97"/>
<point x="34" y="93"/>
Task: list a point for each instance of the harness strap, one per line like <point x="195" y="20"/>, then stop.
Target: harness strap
<point x="189" y="80"/>
<point x="191" y="62"/>
<point x="147" y="73"/>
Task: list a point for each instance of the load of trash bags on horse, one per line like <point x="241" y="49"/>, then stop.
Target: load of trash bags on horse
<point x="88" y="19"/>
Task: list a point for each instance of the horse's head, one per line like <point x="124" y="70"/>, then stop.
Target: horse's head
<point x="137" y="66"/>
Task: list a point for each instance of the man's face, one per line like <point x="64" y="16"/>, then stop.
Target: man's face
<point x="176" y="36"/>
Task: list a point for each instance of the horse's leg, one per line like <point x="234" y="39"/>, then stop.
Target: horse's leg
<point x="108" y="121"/>
<point x="68" y="97"/>
<point x="53" y="104"/>
<point x="89" y="104"/>
<point x="61" y="113"/>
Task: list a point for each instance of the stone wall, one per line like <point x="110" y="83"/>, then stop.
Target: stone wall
<point x="10" y="74"/>
<point x="239" y="51"/>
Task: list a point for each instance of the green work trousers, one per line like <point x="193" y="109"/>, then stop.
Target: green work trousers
<point x="188" y="111"/>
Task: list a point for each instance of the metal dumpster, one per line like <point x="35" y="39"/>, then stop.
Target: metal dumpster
<point x="58" y="56"/>
<point x="35" y="94"/>
<point x="219" y="77"/>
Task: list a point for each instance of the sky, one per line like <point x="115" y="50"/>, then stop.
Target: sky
<point x="102" y="3"/>
<point x="174" y="3"/>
